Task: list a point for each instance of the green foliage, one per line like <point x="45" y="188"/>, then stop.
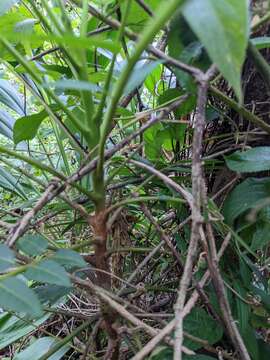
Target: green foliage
<point x="253" y="160"/>
<point x="251" y="193"/>
<point x="48" y="271"/>
<point x="32" y="245"/>
<point x="16" y="296"/>
<point x="98" y="158"/>
<point x="7" y="258"/>
<point x="39" y="348"/>
<point x="200" y="324"/>
<point x="222" y="22"/>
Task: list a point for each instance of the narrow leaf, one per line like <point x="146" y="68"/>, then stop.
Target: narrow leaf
<point x="73" y="85"/>
<point x="41" y="347"/>
<point x="10" y="97"/>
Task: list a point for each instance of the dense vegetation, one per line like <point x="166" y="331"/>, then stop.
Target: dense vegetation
<point x="134" y="179"/>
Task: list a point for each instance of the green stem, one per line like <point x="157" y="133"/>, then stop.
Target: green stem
<point x="260" y="63"/>
<point x="164" y="12"/>
<point x="38" y="80"/>
<point x="240" y="109"/>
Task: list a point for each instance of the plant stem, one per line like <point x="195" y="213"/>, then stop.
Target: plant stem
<point x="240" y="109"/>
<point x="260" y="63"/>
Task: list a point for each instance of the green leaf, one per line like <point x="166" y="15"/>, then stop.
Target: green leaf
<point x="7" y="258"/>
<point x="184" y="45"/>
<point x="262" y="42"/>
<point x="26" y="127"/>
<point x="139" y="74"/>
<point x="25" y="26"/>
<point x="50" y="272"/>
<point x="10" y="183"/>
<point x="69" y="258"/>
<point x="6" y="124"/>
<point x="51" y="293"/>
<point x="200" y="324"/>
<point x="73" y="85"/>
<point x="41" y="347"/>
<point x="137" y="17"/>
<point x="10" y="97"/>
<point x="12" y="329"/>
<point x="260" y="237"/>
<point x="185" y="108"/>
<point x="247" y="195"/>
<point x="32" y="245"/>
<point x="5" y="5"/>
<point x="18" y="297"/>
<point x="264" y="350"/>
<point x="223" y="28"/>
<point x="162" y="353"/>
<point x="253" y="160"/>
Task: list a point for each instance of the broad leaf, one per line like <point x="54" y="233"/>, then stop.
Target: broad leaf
<point x="184" y="45"/>
<point x="16" y="296"/>
<point x="200" y="324"/>
<point x="51" y="293"/>
<point x="253" y="160"/>
<point x="32" y="244"/>
<point x="137" y="17"/>
<point x="185" y="108"/>
<point x="26" y="127"/>
<point x="50" y="272"/>
<point x="41" y="347"/>
<point x="264" y="350"/>
<point x="249" y="194"/>
<point x="69" y="258"/>
<point x="25" y="26"/>
<point x="7" y="258"/>
<point x="223" y="28"/>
